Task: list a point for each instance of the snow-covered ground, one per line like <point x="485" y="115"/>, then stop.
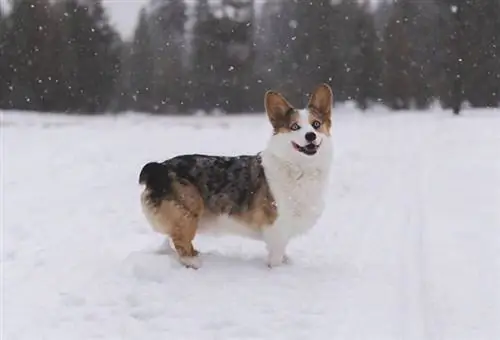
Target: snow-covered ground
<point x="409" y="247"/>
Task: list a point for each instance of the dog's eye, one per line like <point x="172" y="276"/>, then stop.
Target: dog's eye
<point x="294" y="127"/>
<point x="316" y="124"/>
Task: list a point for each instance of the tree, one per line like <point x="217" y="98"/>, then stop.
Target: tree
<point x="89" y="57"/>
<point x="27" y="54"/>
<point x="365" y="58"/>
<point x="471" y="41"/>
<point x="4" y="86"/>
<point x="167" y="36"/>
<point x="482" y="32"/>
<point x="273" y="37"/>
<point x="300" y="44"/>
<point x="397" y="74"/>
<point x="223" y="56"/>
<point x="453" y="28"/>
<point x="207" y="59"/>
<point x="141" y="67"/>
<point x="235" y="33"/>
<point x="106" y="45"/>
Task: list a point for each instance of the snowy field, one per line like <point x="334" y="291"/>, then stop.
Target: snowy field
<point x="409" y="247"/>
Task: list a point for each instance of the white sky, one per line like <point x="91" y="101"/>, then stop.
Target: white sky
<point x="123" y="13"/>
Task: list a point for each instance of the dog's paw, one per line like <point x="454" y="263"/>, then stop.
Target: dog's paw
<point x="190" y="262"/>
<point x="287" y="259"/>
<point x="274" y="261"/>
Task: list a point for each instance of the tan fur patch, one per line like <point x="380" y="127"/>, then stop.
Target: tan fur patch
<point x="325" y="120"/>
<point x="263" y="211"/>
<point x="179" y="218"/>
<point x="283" y="124"/>
<point x="320" y="107"/>
<point x="280" y="112"/>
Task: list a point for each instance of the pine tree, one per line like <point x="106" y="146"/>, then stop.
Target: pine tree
<point x="471" y="63"/>
<point x="421" y="30"/>
<point x="207" y="59"/>
<point x="397" y="77"/>
<point x="368" y="63"/>
<point x="89" y="57"/>
<point x="482" y="34"/>
<point x="141" y="67"/>
<point x="345" y="49"/>
<point x="236" y="36"/>
<point x="273" y="60"/>
<point x="4" y="81"/>
<point x="106" y="45"/>
<point x="167" y="22"/>
<point x="123" y="100"/>
<point x="452" y="29"/>
<point x="27" y="55"/>
<point x="312" y="46"/>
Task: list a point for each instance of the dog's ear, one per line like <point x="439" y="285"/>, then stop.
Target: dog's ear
<point x="321" y="101"/>
<point x="277" y="108"/>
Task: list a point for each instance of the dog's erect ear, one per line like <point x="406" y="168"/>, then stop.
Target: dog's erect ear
<point x="277" y="108"/>
<point x="321" y="100"/>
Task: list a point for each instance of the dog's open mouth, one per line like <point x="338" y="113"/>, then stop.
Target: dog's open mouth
<point x="309" y="149"/>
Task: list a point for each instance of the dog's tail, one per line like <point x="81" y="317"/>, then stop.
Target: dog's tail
<point x="155" y="176"/>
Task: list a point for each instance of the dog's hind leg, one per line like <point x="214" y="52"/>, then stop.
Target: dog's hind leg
<point x="182" y="237"/>
<point x="184" y="211"/>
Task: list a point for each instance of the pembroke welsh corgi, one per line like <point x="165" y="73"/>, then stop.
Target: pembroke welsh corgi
<point x="273" y="195"/>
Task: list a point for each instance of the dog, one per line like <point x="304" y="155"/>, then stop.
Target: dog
<point x="272" y="196"/>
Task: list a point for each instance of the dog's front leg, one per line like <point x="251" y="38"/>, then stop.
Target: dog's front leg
<point x="276" y="243"/>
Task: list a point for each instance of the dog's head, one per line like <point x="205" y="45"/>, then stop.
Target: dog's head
<point x="301" y="136"/>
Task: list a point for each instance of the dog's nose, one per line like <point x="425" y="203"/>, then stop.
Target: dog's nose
<point x="310" y="137"/>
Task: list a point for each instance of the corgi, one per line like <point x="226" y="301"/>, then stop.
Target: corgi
<point x="272" y="196"/>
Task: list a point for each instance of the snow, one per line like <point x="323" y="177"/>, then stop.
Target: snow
<point x="408" y="248"/>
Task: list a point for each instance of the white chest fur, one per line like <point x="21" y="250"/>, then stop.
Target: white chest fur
<point x="298" y="191"/>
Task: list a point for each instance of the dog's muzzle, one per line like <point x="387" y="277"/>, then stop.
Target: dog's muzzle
<point x="308" y="149"/>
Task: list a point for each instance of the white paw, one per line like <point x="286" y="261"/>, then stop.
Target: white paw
<point x="275" y="261"/>
<point x="190" y="262"/>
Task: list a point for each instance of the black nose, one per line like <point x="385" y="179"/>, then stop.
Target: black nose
<point x="310" y="137"/>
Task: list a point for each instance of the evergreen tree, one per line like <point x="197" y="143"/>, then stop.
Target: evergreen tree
<point x="223" y="56"/>
<point x="421" y="31"/>
<point x="368" y="63"/>
<point x="167" y="34"/>
<point x="89" y="57"/>
<point x="4" y="82"/>
<point x="236" y="36"/>
<point x="356" y="65"/>
<point x="451" y="87"/>
<point x="471" y="63"/>
<point x="106" y="45"/>
<point x="274" y="35"/>
<point x="411" y="54"/>
<point x="311" y="49"/>
<point x="346" y="34"/>
<point x="123" y="99"/>
<point x="27" y="55"/>
<point x="141" y="67"/>
<point x="397" y="77"/>
<point x="482" y="34"/>
<point x="207" y="59"/>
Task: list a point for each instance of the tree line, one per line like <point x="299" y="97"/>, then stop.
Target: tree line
<point x="65" y="56"/>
